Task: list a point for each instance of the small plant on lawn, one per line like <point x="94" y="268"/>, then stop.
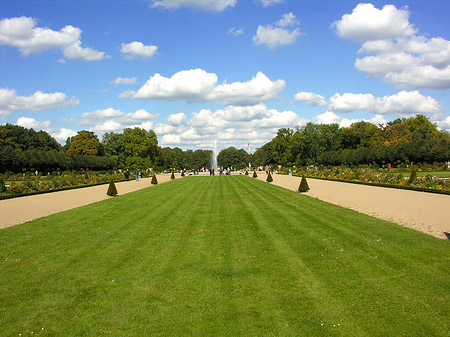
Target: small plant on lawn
<point x="269" y="178"/>
<point x="303" y="185"/>
<point x="154" y="180"/>
<point x="254" y="174"/>
<point x="112" y="190"/>
<point x="182" y="173"/>
<point x="246" y="172"/>
<point x="172" y="176"/>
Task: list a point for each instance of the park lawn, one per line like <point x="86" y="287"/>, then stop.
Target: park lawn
<point x="439" y="174"/>
<point x="221" y="256"/>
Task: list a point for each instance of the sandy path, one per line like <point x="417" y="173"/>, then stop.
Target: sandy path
<point x="426" y="212"/>
<point x="19" y="210"/>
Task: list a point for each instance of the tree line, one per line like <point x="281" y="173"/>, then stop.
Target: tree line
<point x="404" y="140"/>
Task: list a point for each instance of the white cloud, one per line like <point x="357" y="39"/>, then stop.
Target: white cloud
<point x="235" y="31"/>
<point x="369" y="23"/>
<point x="190" y="85"/>
<point x="288" y="19"/>
<point x="274" y="37"/>
<point x="28" y="122"/>
<point x="277" y="36"/>
<point x="39" y="101"/>
<point x="310" y="98"/>
<point x="22" y="33"/>
<point x="124" y="80"/>
<point x="109" y="119"/>
<point x="76" y="52"/>
<point x="62" y="134"/>
<point x="267" y="3"/>
<point x="259" y="89"/>
<point x="444" y="124"/>
<point x="231" y="126"/>
<point x="197" y="85"/>
<point x="137" y="49"/>
<point x="208" y="5"/>
<point x="176" y="119"/>
<point x="402" y="103"/>
<point x="395" y="51"/>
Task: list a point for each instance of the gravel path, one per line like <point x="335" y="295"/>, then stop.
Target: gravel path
<point x="426" y="212"/>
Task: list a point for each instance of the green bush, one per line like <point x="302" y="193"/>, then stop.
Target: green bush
<point x="254" y="174"/>
<point x="269" y="178"/>
<point x="246" y="172"/>
<point x="2" y="185"/>
<point x="412" y="177"/>
<point x="112" y="190"/>
<point x="303" y="185"/>
<point x="154" y="180"/>
<point x="172" y="176"/>
<point x="182" y="173"/>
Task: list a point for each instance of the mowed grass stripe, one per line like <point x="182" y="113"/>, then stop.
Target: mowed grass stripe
<point x="385" y="275"/>
<point x="221" y="256"/>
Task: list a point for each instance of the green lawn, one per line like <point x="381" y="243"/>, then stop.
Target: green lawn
<point x="221" y="256"/>
<point x="439" y="174"/>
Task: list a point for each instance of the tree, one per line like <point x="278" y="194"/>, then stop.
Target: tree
<point x="140" y="147"/>
<point x="231" y="157"/>
<point x="85" y="143"/>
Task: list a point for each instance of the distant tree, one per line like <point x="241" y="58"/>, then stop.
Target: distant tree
<point x="140" y="147"/>
<point x="231" y="157"/>
<point x="85" y="143"/>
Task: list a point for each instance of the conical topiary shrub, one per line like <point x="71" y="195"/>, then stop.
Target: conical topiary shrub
<point x="412" y="177"/>
<point x="303" y="185"/>
<point x="112" y="190"/>
<point x="255" y="175"/>
<point x="246" y="172"/>
<point x="182" y="173"/>
<point x="154" y="180"/>
<point x="269" y="178"/>
<point x="172" y="176"/>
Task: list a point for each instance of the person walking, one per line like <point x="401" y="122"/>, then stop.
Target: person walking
<point x="137" y="174"/>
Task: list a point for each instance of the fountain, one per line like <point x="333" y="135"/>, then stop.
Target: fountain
<point x="214" y="157"/>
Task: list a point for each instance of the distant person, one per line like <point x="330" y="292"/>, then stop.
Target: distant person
<point x="127" y="175"/>
<point x="266" y="169"/>
<point x="137" y="174"/>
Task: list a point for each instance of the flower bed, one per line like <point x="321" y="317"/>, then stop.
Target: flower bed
<point x="23" y="185"/>
<point x="382" y="178"/>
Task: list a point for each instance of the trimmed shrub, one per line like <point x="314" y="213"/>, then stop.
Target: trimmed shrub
<point x="246" y="172"/>
<point x="269" y="178"/>
<point x="2" y="185"/>
<point x="303" y="185"/>
<point x="112" y="190"/>
<point x="254" y="174"/>
<point x="172" y="176"/>
<point x="412" y="177"/>
<point x="182" y="173"/>
<point x="154" y="180"/>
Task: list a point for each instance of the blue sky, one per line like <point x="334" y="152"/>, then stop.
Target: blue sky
<point x="231" y="70"/>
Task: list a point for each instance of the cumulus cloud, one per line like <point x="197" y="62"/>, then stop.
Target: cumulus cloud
<point x="62" y="134"/>
<point x="329" y="117"/>
<point x="235" y="31"/>
<point x="277" y="36"/>
<point x="369" y="23"/>
<point x="176" y="119"/>
<point x="137" y="49"/>
<point x="22" y="33"/>
<point x="230" y="125"/>
<point x="124" y="80"/>
<point x="197" y="85"/>
<point x="267" y="3"/>
<point x="208" y="5"/>
<point x="28" y="122"/>
<point x="394" y="50"/>
<point x="111" y="120"/>
<point x="402" y="103"/>
<point x="39" y="101"/>
<point x="310" y="98"/>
